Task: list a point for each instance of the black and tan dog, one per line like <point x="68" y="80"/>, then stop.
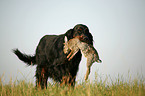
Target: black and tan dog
<point x="51" y="60"/>
<point x="74" y="45"/>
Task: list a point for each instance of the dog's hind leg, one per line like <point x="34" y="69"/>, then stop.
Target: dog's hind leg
<point x="44" y="78"/>
<point x="41" y="77"/>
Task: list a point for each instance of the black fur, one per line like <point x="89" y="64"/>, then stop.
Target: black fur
<point x="51" y="60"/>
<point x="29" y="60"/>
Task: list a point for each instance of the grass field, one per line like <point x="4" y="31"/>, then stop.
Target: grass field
<point x="98" y="87"/>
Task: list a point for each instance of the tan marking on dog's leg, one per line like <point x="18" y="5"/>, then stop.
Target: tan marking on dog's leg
<point x="42" y="72"/>
<point x="39" y="83"/>
<point x="72" y="83"/>
<point x="64" y="80"/>
<point x="43" y="77"/>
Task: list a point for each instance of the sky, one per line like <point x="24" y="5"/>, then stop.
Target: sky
<point x="117" y="26"/>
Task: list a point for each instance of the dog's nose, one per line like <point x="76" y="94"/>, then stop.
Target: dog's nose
<point x="85" y="39"/>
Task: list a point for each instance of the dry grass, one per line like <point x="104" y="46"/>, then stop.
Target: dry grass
<point x="99" y="87"/>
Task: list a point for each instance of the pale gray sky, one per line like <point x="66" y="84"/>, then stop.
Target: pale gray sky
<point x="118" y="28"/>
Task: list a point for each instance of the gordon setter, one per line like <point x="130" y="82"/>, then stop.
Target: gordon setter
<point x="52" y="62"/>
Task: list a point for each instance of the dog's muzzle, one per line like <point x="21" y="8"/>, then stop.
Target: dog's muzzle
<point x="85" y="39"/>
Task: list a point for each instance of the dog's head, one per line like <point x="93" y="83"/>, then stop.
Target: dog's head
<point x="82" y="32"/>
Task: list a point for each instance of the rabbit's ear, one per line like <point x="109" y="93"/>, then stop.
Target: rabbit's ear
<point x="65" y="39"/>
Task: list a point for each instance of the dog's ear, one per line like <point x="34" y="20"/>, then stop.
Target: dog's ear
<point x="69" y="34"/>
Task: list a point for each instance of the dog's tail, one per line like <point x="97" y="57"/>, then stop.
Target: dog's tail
<point x="29" y="60"/>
